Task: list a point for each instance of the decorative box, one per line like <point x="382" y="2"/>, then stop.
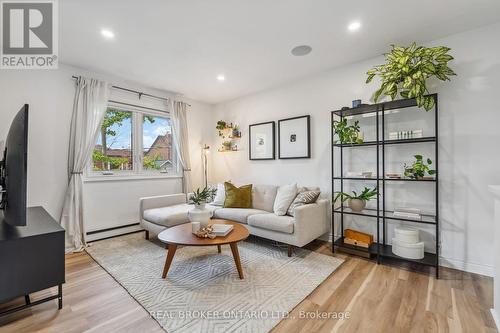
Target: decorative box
<point x="408" y="250"/>
<point x="407" y="235"/>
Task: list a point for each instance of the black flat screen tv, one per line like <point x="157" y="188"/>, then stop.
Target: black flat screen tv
<point x="14" y="170"/>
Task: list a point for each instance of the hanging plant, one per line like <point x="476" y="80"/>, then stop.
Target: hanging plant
<point x="406" y="72"/>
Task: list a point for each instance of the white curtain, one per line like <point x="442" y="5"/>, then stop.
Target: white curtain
<point x="180" y="134"/>
<point x="89" y="108"/>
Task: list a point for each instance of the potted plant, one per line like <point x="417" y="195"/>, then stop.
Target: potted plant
<point x="199" y="213"/>
<point x="347" y="133"/>
<point x="407" y="70"/>
<point x="226" y="145"/>
<point x="357" y="202"/>
<point x="419" y="168"/>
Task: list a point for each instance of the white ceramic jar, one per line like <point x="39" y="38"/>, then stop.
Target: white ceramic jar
<point x="200" y="214"/>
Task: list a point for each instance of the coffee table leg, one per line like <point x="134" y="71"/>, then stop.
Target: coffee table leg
<point x="170" y="256"/>
<point x="236" y="255"/>
<point x="219" y="249"/>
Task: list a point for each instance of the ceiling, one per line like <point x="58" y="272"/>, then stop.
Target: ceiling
<point x="183" y="45"/>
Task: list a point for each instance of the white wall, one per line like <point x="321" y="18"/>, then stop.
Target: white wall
<point x="50" y="95"/>
<point x="468" y="145"/>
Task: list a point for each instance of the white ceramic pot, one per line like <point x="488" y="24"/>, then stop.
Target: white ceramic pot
<point x="357" y="205"/>
<point x="200" y="214"/>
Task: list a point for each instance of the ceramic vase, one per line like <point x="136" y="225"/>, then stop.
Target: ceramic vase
<point x="357" y="205"/>
<point x="200" y="214"/>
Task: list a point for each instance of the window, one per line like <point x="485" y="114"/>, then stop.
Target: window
<point x="134" y="143"/>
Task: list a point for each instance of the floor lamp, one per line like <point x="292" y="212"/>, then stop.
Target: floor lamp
<point x="206" y="151"/>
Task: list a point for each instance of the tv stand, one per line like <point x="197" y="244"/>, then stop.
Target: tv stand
<point x="31" y="259"/>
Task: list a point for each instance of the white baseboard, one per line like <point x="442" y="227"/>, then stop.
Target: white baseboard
<point x="495" y="318"/>
<point x="451" y="263"/>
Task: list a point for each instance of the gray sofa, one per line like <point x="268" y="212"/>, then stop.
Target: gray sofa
<point x="310" y="221"/>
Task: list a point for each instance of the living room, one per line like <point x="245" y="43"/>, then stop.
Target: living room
<point x="249" y="166"/>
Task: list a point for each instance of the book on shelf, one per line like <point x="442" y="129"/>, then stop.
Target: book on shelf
<point x="406" y="212"/>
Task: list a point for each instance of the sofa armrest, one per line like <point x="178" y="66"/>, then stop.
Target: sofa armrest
<point x="311" y="221"/>
<point x="160" y="201"/>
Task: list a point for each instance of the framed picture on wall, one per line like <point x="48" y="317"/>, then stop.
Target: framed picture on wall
<point x="294" y="137"/>
<point x="261" y="144"/>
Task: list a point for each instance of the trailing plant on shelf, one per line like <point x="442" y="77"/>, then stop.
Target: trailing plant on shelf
<point x="347" y="133"/>
<point x="419" y="168"/>
<point x="221" y="125"/>
<point x="357" y="202"/>
<point x="200" y="197"/>
<point x="407" y="70"/>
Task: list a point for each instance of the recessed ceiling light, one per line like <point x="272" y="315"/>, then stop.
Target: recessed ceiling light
<point x="354" y="26"/>
<point x="221" y="77"/>
<point x="301" y="50"/>
<point x="108" y="34"/>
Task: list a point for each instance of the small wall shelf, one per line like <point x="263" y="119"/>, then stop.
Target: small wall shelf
<point x="380" y="215"/>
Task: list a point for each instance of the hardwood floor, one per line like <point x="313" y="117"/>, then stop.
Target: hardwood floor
<point x="377" y="298"/>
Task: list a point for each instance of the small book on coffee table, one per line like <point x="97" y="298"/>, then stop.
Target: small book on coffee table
<point x="222" y="229"/>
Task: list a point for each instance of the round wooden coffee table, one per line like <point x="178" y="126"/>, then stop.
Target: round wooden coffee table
<point x="182" y="235"/>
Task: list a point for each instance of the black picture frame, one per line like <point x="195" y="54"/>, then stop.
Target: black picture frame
<point x="308" y="135"/>
<point x="253" y="158"/>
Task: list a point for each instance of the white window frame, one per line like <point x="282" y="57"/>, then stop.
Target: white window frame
<point x="138" y="171"/>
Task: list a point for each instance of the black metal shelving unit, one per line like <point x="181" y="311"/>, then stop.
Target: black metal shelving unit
<point x="381" y="249"/>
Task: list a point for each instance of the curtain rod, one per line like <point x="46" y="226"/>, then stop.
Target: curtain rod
<point x="140" y="93"/>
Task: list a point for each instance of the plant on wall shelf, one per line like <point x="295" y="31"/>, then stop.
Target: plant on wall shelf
<point x="221" y="125"/>
<point x="406" y="72"/>
<point x="227" y="145"/>
<point x="357" y="202"/>
<point x="347" y="133"/>
<point x="419" y="168"/>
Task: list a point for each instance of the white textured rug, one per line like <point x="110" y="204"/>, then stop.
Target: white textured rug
<point x="203" y="293"/>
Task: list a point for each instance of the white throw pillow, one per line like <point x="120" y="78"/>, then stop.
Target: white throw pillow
<point x="220" y="196"/>
<point x="284" y="198"/>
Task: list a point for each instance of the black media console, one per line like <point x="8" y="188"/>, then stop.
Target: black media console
<point x="31" y="258"/>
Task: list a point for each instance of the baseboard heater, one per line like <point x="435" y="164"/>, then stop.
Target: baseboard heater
<point x="107" y="230"/>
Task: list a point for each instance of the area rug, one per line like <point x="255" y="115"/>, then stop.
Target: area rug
<point x="203" y="292"/>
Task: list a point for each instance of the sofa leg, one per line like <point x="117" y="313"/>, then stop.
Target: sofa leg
<point x="146" y="234"/>
<point x="290" y="250"/>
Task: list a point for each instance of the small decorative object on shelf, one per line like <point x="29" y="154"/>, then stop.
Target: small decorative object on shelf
<point x="402" y="135"/>
<point x="356" y="103"/>
<point x="357" y="238"/>
<point x="348" y="134"/>
<point x="357" y="202"/>
<point x="418" y="169"/>
<point x="407" y="70"/>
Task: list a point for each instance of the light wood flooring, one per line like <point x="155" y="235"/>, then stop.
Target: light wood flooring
<point x="377" y="298"/>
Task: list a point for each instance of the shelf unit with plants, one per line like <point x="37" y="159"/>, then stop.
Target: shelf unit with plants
<point x="380" y="249"/>
<point x="230" y="134"/>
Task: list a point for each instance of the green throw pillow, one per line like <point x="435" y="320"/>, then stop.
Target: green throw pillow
<point x="238" y="197"/>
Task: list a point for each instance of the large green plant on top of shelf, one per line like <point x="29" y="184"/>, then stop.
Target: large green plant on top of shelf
<point x="407" y="70"/>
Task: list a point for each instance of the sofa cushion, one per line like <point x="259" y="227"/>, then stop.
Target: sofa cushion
<point x="303" y="198"/>
<point x="238" y="197"/>
<point x="272" y="222"/>
<point x="263" y="197"/>
<point x="237" y="214"/>
<point x="284" y="198"/>
<point x="170" y="216"/>
<point x="220" y="195"/>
